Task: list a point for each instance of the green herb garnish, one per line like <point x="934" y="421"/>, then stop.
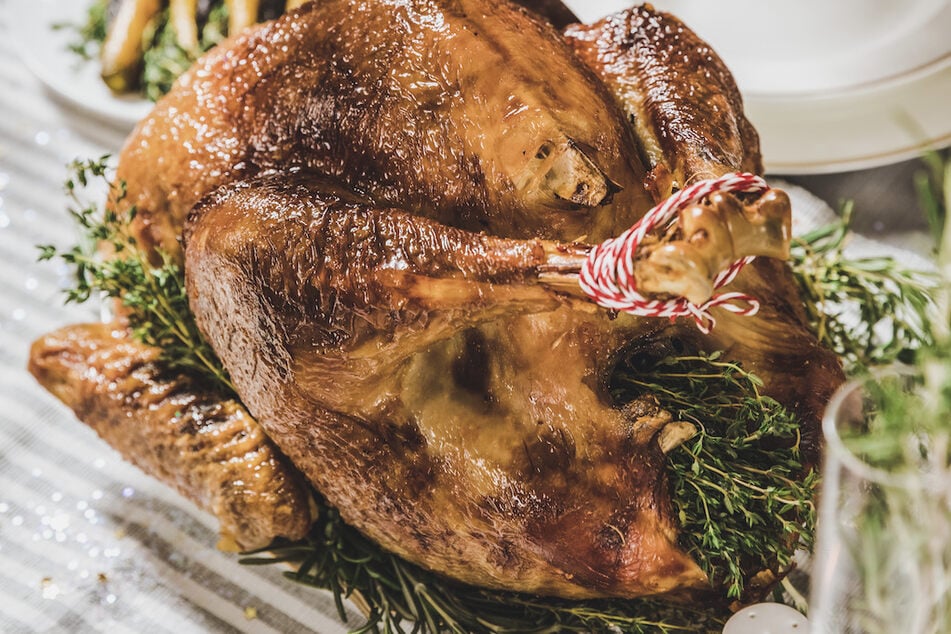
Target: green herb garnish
<point x="869" y="311"/>
<point x="892" y="523"/>
<point x="909" y="427"/>
<point x="91" y="33"/>
<point x="163" y="59"/>
<point x="394" y="593"/>
<point x="152" y="293"/>
<point x="894" y="546"/>
<point x="740" y="489"/>
<point x="933" y="195"/>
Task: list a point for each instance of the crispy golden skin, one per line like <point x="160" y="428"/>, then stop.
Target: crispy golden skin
<point x="679" y="95"/>
<point x="206" y="446"/>
<point x="369" y="192"/>
<point x="472" y="113"/>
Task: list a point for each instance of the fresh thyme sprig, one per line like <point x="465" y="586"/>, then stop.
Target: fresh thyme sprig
<point x="153" y="295"/>
<point x="893" y="542"/>
<point x="742" y="495"/>
<point x="871" y="310"/>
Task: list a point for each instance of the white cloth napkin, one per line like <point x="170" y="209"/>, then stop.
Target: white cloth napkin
<point x="912" y="248"/>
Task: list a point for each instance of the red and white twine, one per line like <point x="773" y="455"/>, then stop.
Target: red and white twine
<point x="607" y="276"/>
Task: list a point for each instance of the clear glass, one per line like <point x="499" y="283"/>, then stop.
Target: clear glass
<point x="883" y="555"/>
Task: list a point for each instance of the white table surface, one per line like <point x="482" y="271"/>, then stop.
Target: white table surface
<point x="87" y="541"/>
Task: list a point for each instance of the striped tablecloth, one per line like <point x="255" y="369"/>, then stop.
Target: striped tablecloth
<point x="87" y="542"/>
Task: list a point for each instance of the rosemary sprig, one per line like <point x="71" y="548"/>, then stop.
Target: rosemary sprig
<point x="900" y="563"/>
<point x="869" y="311"/>
<point x="908" y="427"/>
<point x="893" y="542"/>
<point x="153" y="296"/>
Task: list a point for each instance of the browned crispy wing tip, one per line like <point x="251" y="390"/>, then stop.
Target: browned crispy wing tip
<point x="203" y="444"/>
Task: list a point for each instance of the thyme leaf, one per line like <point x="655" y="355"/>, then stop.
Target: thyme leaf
<point x="740" y="489"/>
<point x="152" y="294"/>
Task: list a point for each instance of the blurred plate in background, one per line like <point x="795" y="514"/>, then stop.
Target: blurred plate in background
<point x="45" y="51"/>
<point x="831" y="86"/>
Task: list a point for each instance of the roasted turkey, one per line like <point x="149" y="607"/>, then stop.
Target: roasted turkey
<point x="380" y="206"/>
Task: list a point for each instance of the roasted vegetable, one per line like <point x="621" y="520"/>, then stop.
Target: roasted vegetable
<point x="183" y="17"/>
<point x="150" y="57"/>
<point x="241" y="14"/>
<point x="124" y="46"/>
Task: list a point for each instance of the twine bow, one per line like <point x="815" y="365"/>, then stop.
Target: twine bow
<point x="607" y="276"/>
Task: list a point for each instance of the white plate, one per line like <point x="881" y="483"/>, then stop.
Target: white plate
<point x="45" y="51"/>
<point x="800" y="48"/>
<point x="857" y="129"/>
<point x="830" y="85"/>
